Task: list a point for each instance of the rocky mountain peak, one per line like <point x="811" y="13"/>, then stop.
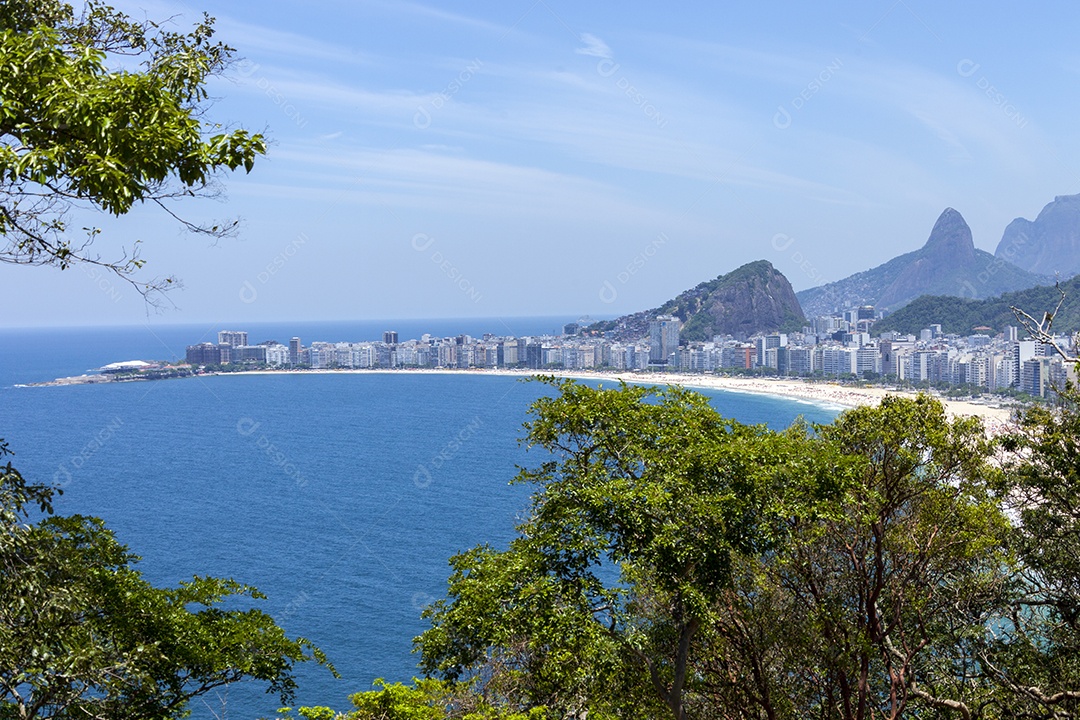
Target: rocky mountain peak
<point x="947" y="264"/>
<point x="750" y="299"/>
<point x="950" y="240"/>
<point x="1050" y="244"/>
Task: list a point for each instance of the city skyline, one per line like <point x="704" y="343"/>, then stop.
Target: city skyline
<point x="541" y="158"/>
<point x="835" y="346"/>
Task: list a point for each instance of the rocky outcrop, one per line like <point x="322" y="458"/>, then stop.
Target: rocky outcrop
<point x="948" y="264"/>
<point x="753" y="298"/>
<point x="1048" y="245"/>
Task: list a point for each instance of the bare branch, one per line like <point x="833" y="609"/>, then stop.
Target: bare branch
<point x="1042" y="330"/>
<point x="940" y="703"/>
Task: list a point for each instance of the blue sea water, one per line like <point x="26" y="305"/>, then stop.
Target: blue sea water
<point x="341" y="497"/>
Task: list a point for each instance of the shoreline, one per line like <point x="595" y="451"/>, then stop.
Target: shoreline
<point x="824" y="394"/>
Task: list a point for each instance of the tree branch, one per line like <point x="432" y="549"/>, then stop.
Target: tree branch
<point x="1042" y="330"/>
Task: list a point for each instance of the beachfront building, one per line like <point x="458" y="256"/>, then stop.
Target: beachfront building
<point x="663" y="338"/>
<point x="277" y="355"/>
<point x="979" y="360"/>
<point x="234" y="338"/>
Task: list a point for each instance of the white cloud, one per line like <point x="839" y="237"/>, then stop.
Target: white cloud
<point x="594" y="47"/>
<point x="426" y="11"/>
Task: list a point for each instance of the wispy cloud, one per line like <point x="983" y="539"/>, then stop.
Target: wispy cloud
<point x="426" y="11"/>
<point x="258" y="39"/>
<point x="594" y="47"/>
<point x="441" y="180"/>
<point x="249" y="38"/>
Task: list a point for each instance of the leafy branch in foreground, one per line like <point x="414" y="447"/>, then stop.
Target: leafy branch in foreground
<point x="599" y="606"/>
<point x="677" y="564"/>
<point x="79" y="131"/>
<point x="83" y="635"/>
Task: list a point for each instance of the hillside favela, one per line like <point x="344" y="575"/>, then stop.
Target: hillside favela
<point x="539" y="360"/>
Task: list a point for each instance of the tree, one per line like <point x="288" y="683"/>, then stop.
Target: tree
<point x="877" y="604"/>
<point x="597" y="607"/>
<point x="424" y="700"/>
<point x="675" y="563"/>
<point x="83" y="635"/>
<point x="1036" y="657"/>
<point x="98" y="112"/>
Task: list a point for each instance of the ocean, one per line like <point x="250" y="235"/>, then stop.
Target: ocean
<point x="341" y="497"/>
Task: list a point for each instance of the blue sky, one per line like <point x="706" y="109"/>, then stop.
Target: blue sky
<point x="545" y="157"/>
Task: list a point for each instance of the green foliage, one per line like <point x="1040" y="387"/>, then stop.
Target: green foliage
<point x="78" y="130"/>
<point x="719" y="305"/>
<point x="637" y="522"/>
<point x="678" y="564"/>
<point x="424" y="700"/>
<point x="873" y="583"/>
<point x="962" y="316"/>
<point x="82" y="634"/>
<point x="1038" y="653"/>
<point x="692" y="306"/>
<point x="398" y="702"/>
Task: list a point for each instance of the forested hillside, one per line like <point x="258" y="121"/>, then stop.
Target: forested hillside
<point x="962" y="316"/>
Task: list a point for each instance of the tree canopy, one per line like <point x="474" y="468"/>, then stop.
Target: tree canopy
<point x="83" y="635"/>
<point x="677" y="564"/>
<point x="98" y="112"/>
<point x="101" y="112"/>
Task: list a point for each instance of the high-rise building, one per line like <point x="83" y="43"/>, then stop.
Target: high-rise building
<point x="277" y="354"/>
<point x="508" y="353"/>
<point x="837" y="361"/>
<point x="801" y="361"/>
<point x="534" y="355"/>
<point x="1016" y="355"/>
<point x="663" y="338"/>
<point x="390" y="337"/>
<point x="888" y="358"/>
<point x="826" y="325"/>
<point x="203" y="354"/>
<point x="234" y="338"/>
<point x="922" y="366"/>
<point x="247" y="353"/>
<point x="767" y="342"/>
<point x="1034" y="376"/>
<point x="979" y="372"/>
<point x="294" y="351"/>
<point x="867" y="360"/>
<point x="741" y="356"/>
<point x="782" y="360"/>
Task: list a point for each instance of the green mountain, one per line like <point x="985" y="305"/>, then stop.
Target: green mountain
<point x="948" y="264"/>
<point x="956" y="315"/>
<point x="753" y="298"/>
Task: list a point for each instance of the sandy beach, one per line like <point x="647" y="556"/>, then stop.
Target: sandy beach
<point x="995" y="416"/>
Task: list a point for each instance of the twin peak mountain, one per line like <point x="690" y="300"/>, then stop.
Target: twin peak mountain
<point x="757" y="298"/>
